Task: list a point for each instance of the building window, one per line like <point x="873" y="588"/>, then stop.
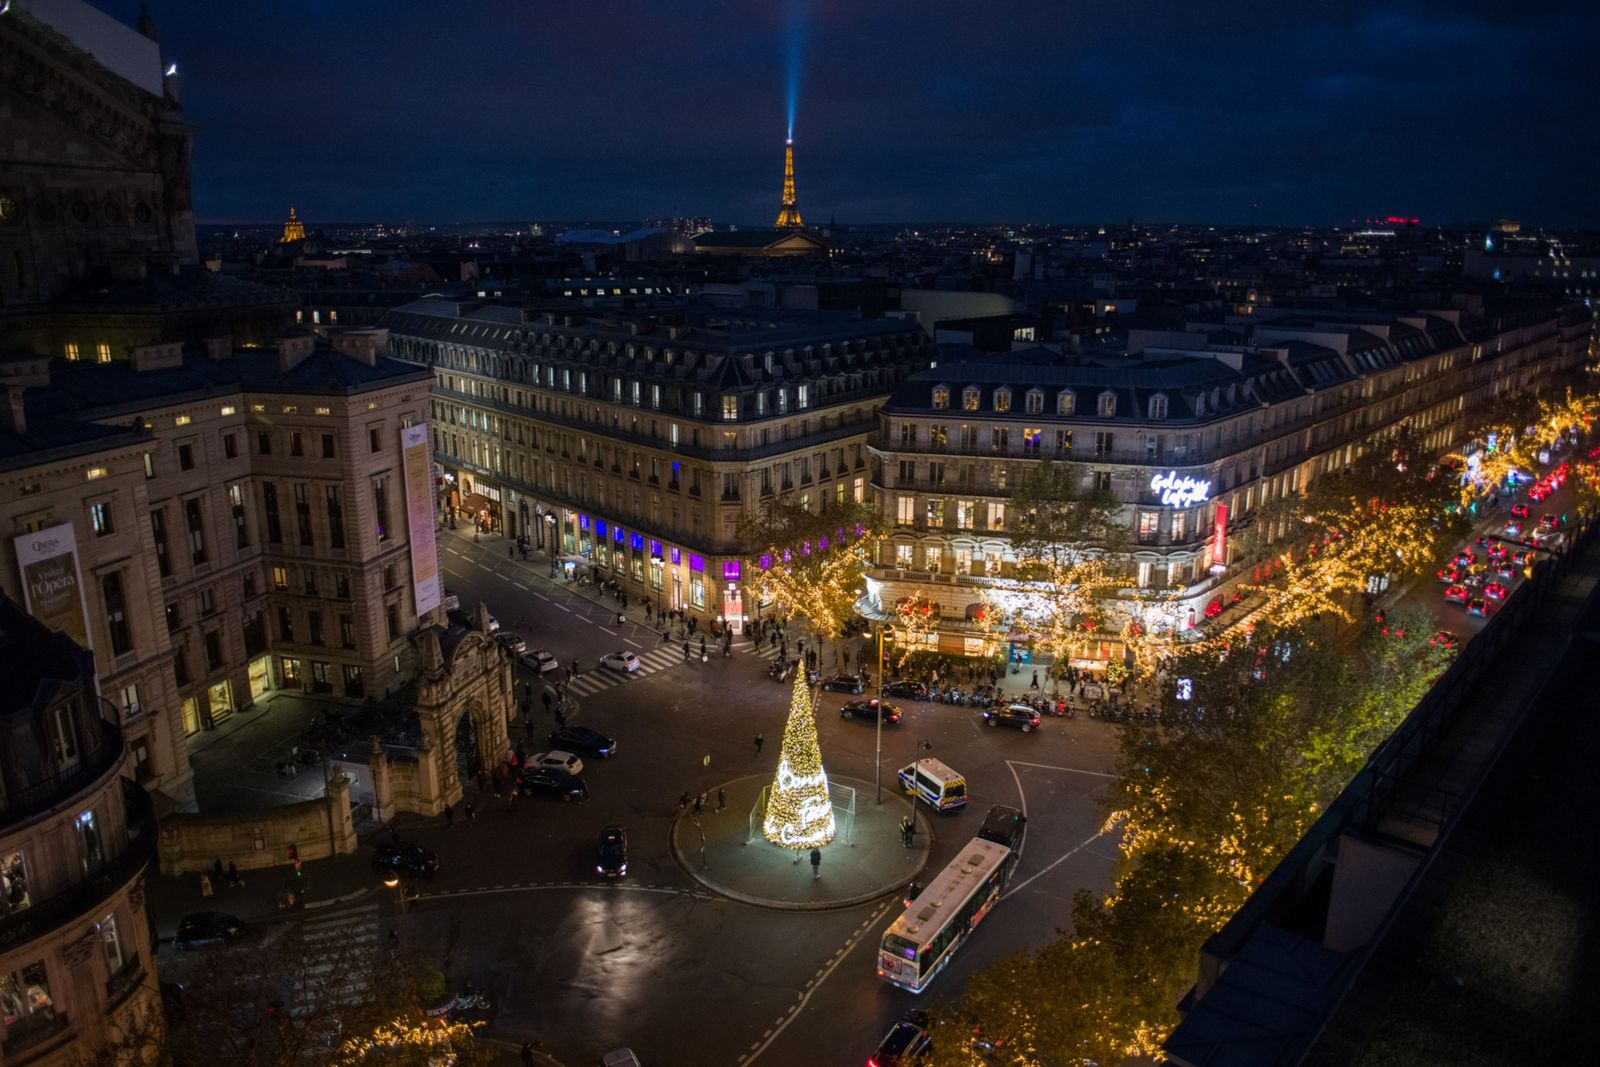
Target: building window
<point x="1066" y="402"/>
<point x="1002" y="399"/>
<point x="286" y="625"/>
<point x="130" y="701"/>
<point x="730" y="408"/>
<point x="186" y="457"/>
<point x="174" y="615"/>
<point x="353" y="684"/>
<point x="802" y="396"/>
<point x="1107" y="406"/>
<point x="302" y="513"/>
<point x="230" y="446"/>
<point x="969" y="398"/>
<point x="25" y="1003"/>
<point x="1149" y="526"/>
<point x="1000" y="439"/>
<point x="269" y="497"/>
<point x="1063" y="442"/>
<point x="72" y="351"/>
<point x="335" y="518"/>
<point x="297" y="444"/>
<point x="149" y="465"/>
<point x="1030" y="441"/>
<point x="941" y="397"/>
<point x="392" y="617"/>
<point x="997" y="515"/>
<point x="906" y="510"/>
<point x="903" y="556"/>
<point x="1180" y="522"/>
<point x="14" y="894"/>
<point x="241" y="526"/>
<point x="102" y="352"/>
<point x="280" y="578"/>
<point x="208" y="602"/>
<point x="932" y="556"/>
<point x="1104" y="442"/>
<point x="380" y="507"/>
<point x="197" y="529"/>
<point x="314" y="626"/>
<point x="290" y="668"/>
<point x="264" y="443"/>
<point x="374" y="444"/>
<point x="100" y="518"/>
<point x="1102" y="481"/>
<point x="1158" y="407"/>
<point x="116" y="613"/>
<point x="213" y="650"/>
<point x="347" y="632"/>
<point x="1033" y="404"/>
<point x="90" y="853"/>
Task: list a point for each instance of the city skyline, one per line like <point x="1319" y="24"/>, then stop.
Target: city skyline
<point x="1203" y="116"/>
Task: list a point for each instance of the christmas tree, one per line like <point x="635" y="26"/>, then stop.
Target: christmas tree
<point x="799" y="811"/>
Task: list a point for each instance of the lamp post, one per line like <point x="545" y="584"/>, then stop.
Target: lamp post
<point x="392" y="880"/>
<point x="877" y="755"/>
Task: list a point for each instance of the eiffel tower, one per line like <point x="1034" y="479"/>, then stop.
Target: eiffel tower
<point x="789" y="213"/>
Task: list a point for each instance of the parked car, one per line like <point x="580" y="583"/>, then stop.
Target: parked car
<point x="1520" y="511"/>
<point x="1021" y="716"/>
<point x="207" y="928"/>
<point x="1494" y="591"/>
<point x="906" y="1042"/>
<point x="584" y="740"/>
<point x="844" y="683"/>
<point x="1456" y="594"/>
<point x="1003" y="825"/>
<point x="406" y="858"/>
<point x="612" y="858"/>
<point x="907" y="689"/>
<point x="867" y="709"/>
<point x="1465" y="558"/>
<point x="559" y="759"/>
<point x="554" y="783"/>
<point x="514" y="642"/>
<point x="1479" y="607"/>
<point x="540" y="660"/>
<point x="626" y="662"/>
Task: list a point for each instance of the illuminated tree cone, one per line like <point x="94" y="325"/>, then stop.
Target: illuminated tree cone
<point x="799" y="810"/>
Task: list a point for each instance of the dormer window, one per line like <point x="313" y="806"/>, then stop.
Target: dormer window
<point x="1033" y="403"/>
<point x="1158" y="406"/>
<point x="969" y="398"/>
<point x="1066" y="402"/>
<point x="1107" y="406"/>
<point x="941" y="397"/>
<point x="1002" y="399"/>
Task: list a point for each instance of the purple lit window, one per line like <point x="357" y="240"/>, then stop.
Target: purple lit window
<point x="677" y="557"/>
<point x="636" y="542"/>
<point x="655" y="549"/>
<point x="766" y="562"/>
<point x="617" y="534"/>
<point x="786" y="556"/>
<point x="730" y="570"/>
<point x="805" y="548"/>
<point x="822" y="543"/>
<point x="583" y="522"/>
<point x="599" y="528"/>
<point x="697" y="563"/>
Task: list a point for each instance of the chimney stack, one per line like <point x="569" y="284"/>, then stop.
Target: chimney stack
<point x="293" y="350"/>
<point x="365" y="344"/>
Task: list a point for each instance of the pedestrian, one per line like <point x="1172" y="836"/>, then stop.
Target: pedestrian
<point x="683" y="801"/>
<point x="561" y="717"/>
<point x="233" y="876"/>
<point x="216" y="872"/>
<point x="449" y="816"/>
<point x="722" y="800"/>
<point x="686" y="650"/>
<point x="569" y="672"/>
<point x="907" y="827"/>
<point x="472" y="813"/>
<point x="699" y="804"/>
<point x="816" y="864"/>
<point x="511" y="552"/>
<point x="1035" y="683"/>
<point x="205" y="885"/>
<point x="527" y="1054"/>
<point x="547" y="701"/>
<point x="759" y="742"/>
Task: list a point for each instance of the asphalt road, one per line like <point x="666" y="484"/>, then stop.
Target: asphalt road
<point x="657" y="963"/>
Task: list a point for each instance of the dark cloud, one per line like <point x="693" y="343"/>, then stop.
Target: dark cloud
<point x="909" y="110"/>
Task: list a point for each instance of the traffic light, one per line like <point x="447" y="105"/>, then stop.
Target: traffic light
<point x="294" y="856"/>
<point x="297" y="872"/>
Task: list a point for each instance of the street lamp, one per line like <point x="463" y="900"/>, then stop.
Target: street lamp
<point x="877" y="756"/>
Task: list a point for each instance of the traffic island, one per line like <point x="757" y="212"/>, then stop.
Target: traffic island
<point x="726" y="852"/>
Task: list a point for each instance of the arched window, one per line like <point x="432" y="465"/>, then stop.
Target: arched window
<point x="1107" y="406"/>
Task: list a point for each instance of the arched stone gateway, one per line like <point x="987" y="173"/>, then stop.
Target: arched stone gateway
<point x="463" y="674"/>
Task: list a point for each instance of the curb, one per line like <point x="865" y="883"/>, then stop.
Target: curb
<point x="348" y="898"/>
<point x="768" y="903"/>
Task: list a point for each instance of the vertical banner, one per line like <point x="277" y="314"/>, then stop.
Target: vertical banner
<point x="52" y="588"/>
<point x="425" y="581"/>
<point x="1219" y="537"/>
<point x="733" y="608"/>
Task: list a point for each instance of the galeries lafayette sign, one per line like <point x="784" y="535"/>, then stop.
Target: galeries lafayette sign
<point x="1180" y="492"/>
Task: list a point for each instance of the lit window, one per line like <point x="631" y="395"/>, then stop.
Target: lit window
<point x="227" y="409"/>
<point x="72" y="351"/>
<point x="1066" y="402"/>
<point x="181" y="420"/>
<point x="100" y="472"/>
<point x="730" y="407"/>
<point x="258" y="408"/>
<point x="324" y="411"/>
<point x="1002" y="399"/>
<point x="941" y="397"/>
<point x="102" y="352"/>
<point x="1107" y="405"/>
<point x="969" y="398"/>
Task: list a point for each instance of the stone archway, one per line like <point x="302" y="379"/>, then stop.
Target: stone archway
<point x="463" y="674"/>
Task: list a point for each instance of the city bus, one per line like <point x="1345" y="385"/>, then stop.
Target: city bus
<point x="924" y="938"/>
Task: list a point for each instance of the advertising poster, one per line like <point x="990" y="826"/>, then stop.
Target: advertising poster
<point x="52" y="588"/>
<point x="415" y="464"/>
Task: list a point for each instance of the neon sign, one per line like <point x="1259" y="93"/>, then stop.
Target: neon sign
<point x="1180" y="492"/>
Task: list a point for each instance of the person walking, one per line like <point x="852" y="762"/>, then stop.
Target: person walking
<point x="527" y="1054"/>
<point x="816" y="864"/>
<point x="683" y="801"/>
<point x="449" y="816"/>
<point x="216" y="872"/>
<point x="722" y="800"/>
<point x="759" y="742"/>
<point x="1035" y="683"/>
<point x="699" y="804"/>
<point x="547" y="701"/>
<point x="907" y="828"/>
<point x="686" y="650"/>
<point x="233" y="876"/>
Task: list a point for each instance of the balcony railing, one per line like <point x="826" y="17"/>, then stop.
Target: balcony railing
<point x="99" y="754"/>
<point x="80" y="898"/>
<point x="124" y="980"/>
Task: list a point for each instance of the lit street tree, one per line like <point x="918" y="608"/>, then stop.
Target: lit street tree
<point x="811" y="564"/>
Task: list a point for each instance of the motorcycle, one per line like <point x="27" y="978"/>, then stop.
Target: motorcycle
<point x="472" y="999"/>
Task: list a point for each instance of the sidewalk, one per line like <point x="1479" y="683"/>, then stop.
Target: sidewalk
<point x="865" y="860"/>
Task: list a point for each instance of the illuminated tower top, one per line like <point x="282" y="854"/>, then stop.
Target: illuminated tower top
<point x="789" y="213"/>
<point x="292" y="229"/>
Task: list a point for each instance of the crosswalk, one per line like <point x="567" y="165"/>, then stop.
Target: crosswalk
<point x="596" y="679"/>
<point x="335" y="953"/>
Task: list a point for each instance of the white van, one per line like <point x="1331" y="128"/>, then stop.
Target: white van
<point x="941" y="788"/>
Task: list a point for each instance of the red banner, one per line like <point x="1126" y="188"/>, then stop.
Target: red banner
<point x="1219" y="536"/>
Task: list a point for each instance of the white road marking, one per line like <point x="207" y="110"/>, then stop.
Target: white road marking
<point x="794" y="1013"/>
<point x="1080" y="846"/>
<point x="1053" y="767"/>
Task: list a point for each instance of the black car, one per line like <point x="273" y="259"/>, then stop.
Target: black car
<point x="207" y="928"/>
<point x="584" y="741"/>
<point x="906" y="688"/>
<point x="612" y="860"/>
<point x="404" y="858"/>
<point x="907" y="1041"/>
<point x="1003" y="825"/>
<point x="866" y="709"/>
<point x="844" y="683"/>
<point x="554" y="783"/>
<point x="1021" y="716"/>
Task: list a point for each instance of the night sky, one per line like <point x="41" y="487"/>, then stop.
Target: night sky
<point x="908" y="110"/>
